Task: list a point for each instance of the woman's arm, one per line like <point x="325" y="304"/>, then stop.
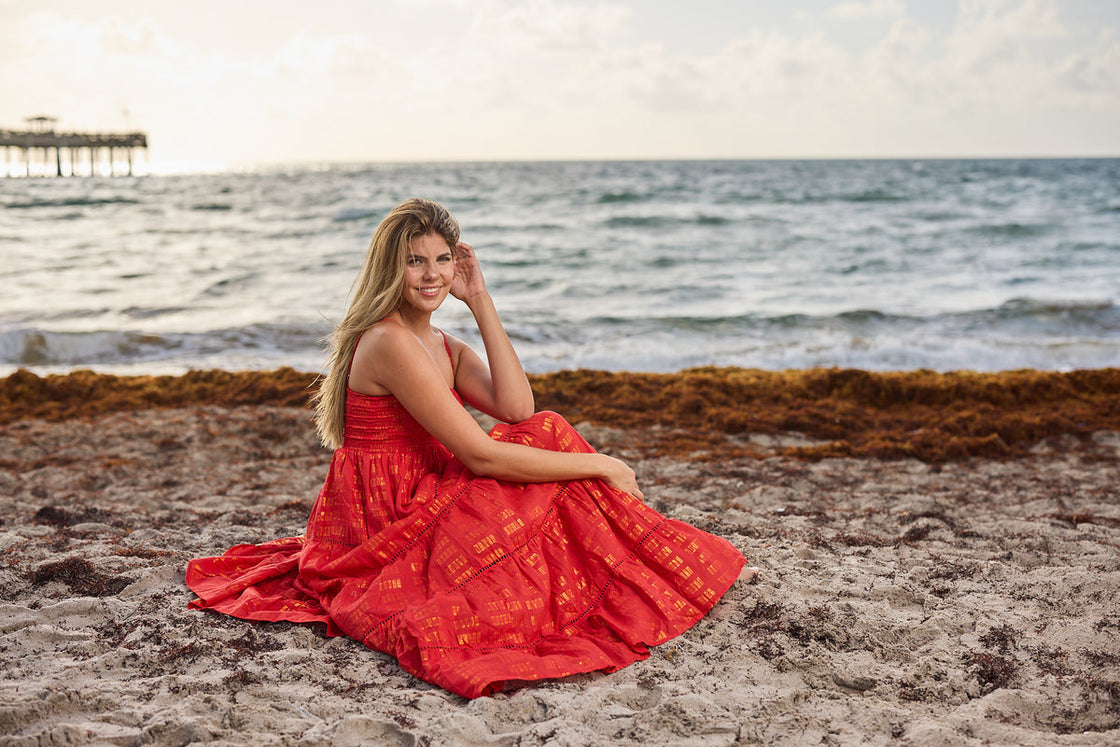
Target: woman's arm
<point x="499" y="389"/>
<point x="390" y="356"/>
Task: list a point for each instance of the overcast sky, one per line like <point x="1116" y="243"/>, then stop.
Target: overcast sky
<point x="249" y="81"/>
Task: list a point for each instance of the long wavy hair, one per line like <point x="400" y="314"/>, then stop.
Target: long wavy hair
<point x="378" y="292"/>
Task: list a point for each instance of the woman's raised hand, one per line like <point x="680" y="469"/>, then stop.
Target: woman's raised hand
<point x="468" y="280"/>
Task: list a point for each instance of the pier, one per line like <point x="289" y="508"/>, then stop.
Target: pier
<point x="83" y="153"/>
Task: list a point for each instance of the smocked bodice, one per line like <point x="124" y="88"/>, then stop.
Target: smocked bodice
<point x="382" y="424"/>
<point x="386" y="464"/>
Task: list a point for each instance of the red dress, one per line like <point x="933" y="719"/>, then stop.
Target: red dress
<point x="468" y="581"/>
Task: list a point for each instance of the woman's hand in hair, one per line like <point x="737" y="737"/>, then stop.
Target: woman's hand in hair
<point x="468" y="282"/>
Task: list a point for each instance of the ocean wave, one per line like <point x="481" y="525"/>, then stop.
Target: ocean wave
<point x="659" y="221"/>
<point x="227" y="285"/>
<point x="711" y="220"/>
<point x="1021" y="306"/>
<point x="1050" y="317"/>
<point x="1021" y="333"/>
<point x="608" y="198"/>
<point x="50" y="348"/>
<point x="939" y="216"/>
<point x="149" y="312"/>
<point x="1042" y="317"/>
<point x="1009" y="230"/>
<point x="522" y="228"/>
<point x="1055" y="317"/>
<point x="798" y="197"/>
<point x="44" y="348"/>
<point x="636" y="221"/>
<point x="352" y="214"/>
<point x="520" y="262"/>
<point x="895" y="350"/>
<point x="872" y="195"/>
<point x="71" y="202"/>
<point x="865" y="316"/>
<point x="1005" y="337"/>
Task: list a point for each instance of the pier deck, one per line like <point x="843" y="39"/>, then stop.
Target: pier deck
<point x="82" y="148"/>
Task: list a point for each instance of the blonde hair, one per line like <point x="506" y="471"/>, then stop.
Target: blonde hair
<point x="378" y="293"/>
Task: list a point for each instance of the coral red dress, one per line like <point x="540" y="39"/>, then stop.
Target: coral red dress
<point x="472" y="582"/>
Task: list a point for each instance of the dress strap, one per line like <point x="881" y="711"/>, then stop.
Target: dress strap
<point x="448" y="349"/>
<point x="353" y="350"/>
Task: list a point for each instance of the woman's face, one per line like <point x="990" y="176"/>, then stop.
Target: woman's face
<point x="430" y="268"/>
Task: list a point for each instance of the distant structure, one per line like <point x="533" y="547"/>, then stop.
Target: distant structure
<point x="81" y="148"/>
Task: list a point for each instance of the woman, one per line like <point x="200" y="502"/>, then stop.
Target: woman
<point x="476" y="559"/>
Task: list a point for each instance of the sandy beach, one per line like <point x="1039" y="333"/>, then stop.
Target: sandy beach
<point x="966" y="597"/>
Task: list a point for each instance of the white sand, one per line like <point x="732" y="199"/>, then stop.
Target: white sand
<point x="899" y="603"/>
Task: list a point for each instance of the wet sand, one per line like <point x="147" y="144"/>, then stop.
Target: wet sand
<point x="967" y="599"/>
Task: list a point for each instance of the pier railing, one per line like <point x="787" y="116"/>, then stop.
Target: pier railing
<point x="81" y="148"/>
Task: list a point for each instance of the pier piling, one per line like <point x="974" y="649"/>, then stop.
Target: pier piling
<point x="40" y="137"/>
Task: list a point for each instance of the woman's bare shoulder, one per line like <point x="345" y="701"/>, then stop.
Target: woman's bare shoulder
<point x="387" y="332"/>
<point x="390" y="336"/>
<point x="384" y="345"/>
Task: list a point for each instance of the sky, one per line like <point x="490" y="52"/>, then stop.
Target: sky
<point x="244" y="82"/>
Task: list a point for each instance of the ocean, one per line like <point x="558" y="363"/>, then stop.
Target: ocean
<point x="650" y="266"/>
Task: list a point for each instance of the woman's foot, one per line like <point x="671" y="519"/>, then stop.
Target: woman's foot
<point x="749" y="574"/>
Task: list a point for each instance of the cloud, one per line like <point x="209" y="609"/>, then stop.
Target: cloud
<point x="93" y="57"/>
<point x="949" y="91"/>
<point x="1005" y="59"/>
<point x="1094" y="71"/>
<point x="566" y="72"/>
<point x="992" y="34"/>
<point x="87" y="71"/>
<point x="868" y="9"/>
<point x="547" y="26"/>
<point x="499" y="78"/>
<point x="513" y="57"/>
<point x="350" y="55"/>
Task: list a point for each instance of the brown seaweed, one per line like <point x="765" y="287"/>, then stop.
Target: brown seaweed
<point x="84" y="393"/>
<point x="699" y="413"/>
<point x="81" y="576"/>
